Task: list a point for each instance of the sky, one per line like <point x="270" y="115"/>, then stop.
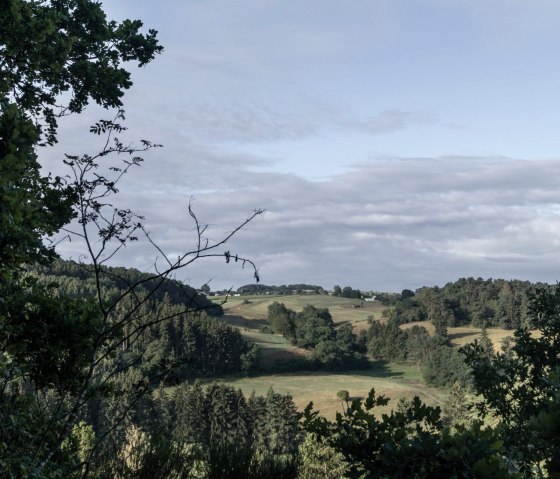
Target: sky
<point x="393" y="143"/>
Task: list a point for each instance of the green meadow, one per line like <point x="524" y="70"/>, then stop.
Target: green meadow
<point x="393" y="380"/>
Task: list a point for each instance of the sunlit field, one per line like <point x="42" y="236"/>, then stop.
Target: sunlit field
<point x="249" y="314"/>
<point x="341" y="309"/>
<point x="393" y="380"/>
<point x="396" y="381"/>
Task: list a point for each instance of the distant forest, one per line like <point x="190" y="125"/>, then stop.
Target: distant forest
<point x="479" y="302"/>
<point x="299" y="288"/>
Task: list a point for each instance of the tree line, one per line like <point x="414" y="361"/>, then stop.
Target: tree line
<point x="298" y="288"/>
<point x="177" y="326"/>
<point x="347" y="292"/>
<point x="79" y="280"/>
<point x="195" y="431"/>
<point x="479" y="302"/>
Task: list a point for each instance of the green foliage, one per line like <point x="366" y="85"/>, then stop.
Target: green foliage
<point x="386" y="341"/>
<point x="156" y="456"/>
<point x="48" y="337"/>
<point x="411" y="442"/>
<point x="348" y="292"/>
<point x="313" y="325"/>
<point x="343" y="395"/>
<point x="81" y="442"/>
<point x="49" y="48"/>
<point x="485" y="343"/>
<point x="313" y="328"/>
<point x="468" y="300"/>
<point x="406" y="293"/>
<point x="456" y="409"/>
<point x="520" y="389"/>
<point x="231" y="436"/>
<point x="281" y="319"/>
<point x="47" y="341"/>
<point x="31" y="206"/>
<point x="206" y="346"/>
<point x="318" y="459"/>
<point x="446" y="366"/>
<point x="389" y="342"/>
<point x="79" y="280"/>
<point x="442" y="364"/>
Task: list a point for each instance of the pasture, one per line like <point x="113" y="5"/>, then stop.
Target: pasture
<point x="342" y="310"/>
<point x="393" y="380"/>
<point x="249" y="314"/>
<point x="462" y="335"/>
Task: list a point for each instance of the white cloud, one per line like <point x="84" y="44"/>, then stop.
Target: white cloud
<point x="251" y="89"/>
<point x="392" y="224"/>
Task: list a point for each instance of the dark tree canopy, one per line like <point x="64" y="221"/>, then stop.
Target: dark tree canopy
<point x="491" y="302"/>
<point x="70" y="47"/>
<point x="31" y="206"/>
<point x="55" y="57"/>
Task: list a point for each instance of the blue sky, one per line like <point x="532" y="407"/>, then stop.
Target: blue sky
<point x="393" y="143"/>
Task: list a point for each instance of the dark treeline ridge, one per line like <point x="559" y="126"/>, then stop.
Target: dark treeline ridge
<point x="176" y="326"/>
<point x="299" y="288"/>
<point x="78" y="280"/>
<point x="479" y="302"/>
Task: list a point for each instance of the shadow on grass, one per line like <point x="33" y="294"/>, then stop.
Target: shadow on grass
<point x="241" y="322"/>
<point x="473" y="334"/>
<point x="380" y="369"/>
<point x="265" y="339"/>
<point x="299" y="366"/>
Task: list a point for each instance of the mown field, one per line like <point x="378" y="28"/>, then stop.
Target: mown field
<point x="393" y="380"/>
<point x="396" y="381"/>
<point x="250" y="312"/>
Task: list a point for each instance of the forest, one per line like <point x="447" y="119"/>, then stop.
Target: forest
<point x="482" y="303"/>
<point x="108" y="372"/>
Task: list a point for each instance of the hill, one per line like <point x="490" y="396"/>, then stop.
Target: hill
<point x="78" y="280"/>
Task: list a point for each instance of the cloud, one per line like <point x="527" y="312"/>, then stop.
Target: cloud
<point x="393" y="120"/>
<point x="243" y="122"/>
<point x="388" y="225"/>
<point x="250" y="86"/>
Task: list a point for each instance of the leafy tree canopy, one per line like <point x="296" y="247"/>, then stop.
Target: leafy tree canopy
<point x="67" y="47"/>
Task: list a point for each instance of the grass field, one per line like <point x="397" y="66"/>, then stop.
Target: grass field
<point x="341" y="309"/>
<point x="462" y="335"/>
<point x="249" y="313"/>
<point x="394" y="381"/>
